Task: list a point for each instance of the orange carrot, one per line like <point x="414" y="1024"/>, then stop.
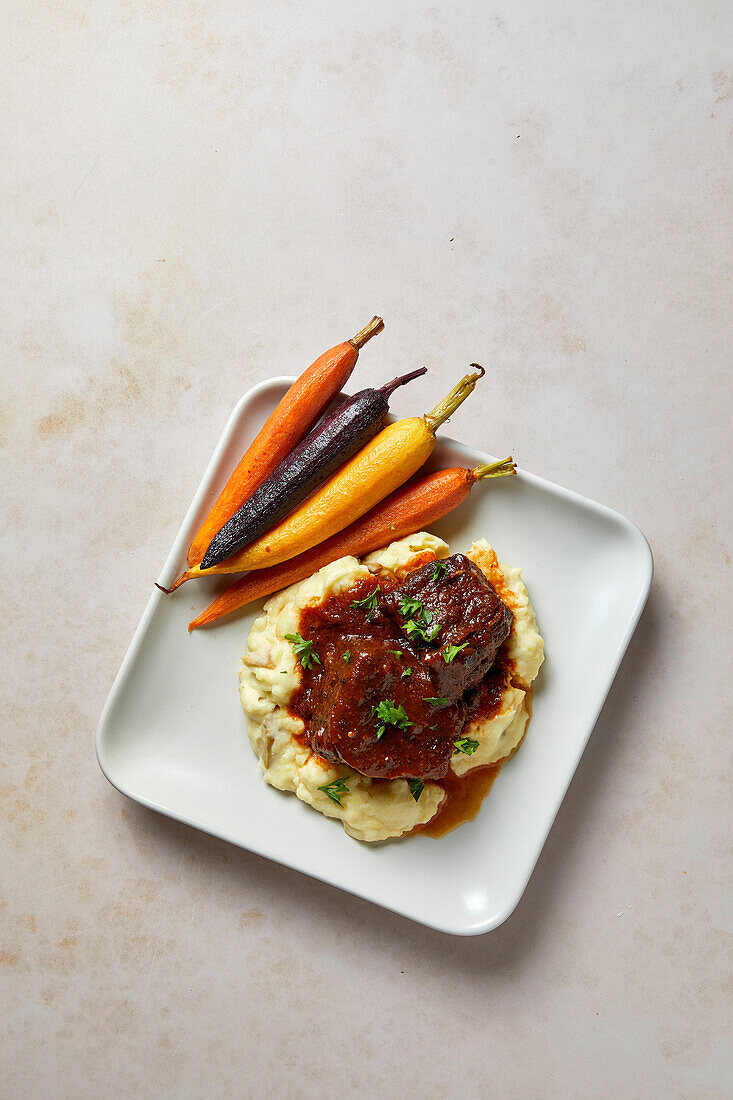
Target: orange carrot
<point x="290" y="421"/>
<point x="411" y="508"/>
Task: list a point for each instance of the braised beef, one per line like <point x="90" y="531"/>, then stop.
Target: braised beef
<point x="377" y="649"/>
<point x="346" y="722"/>
<point x="453" y="616"/>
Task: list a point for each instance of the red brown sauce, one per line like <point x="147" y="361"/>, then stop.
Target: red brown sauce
<point x="464" y="795"/>
<point x="327" y="623"/>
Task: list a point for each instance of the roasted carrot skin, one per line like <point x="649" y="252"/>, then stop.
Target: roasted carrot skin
<point x="385" y="463"/>
<point x="290" y="421"/>
<point x="414" y="506"/>
<point x="332" y="442"/>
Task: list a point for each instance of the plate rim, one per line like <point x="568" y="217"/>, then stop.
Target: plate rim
<point x="167" y="574"/>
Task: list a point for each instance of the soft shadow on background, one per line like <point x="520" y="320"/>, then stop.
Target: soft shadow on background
<point x="515" y="944"/>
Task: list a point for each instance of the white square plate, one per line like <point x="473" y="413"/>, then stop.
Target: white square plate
<point x="172" y="732"/>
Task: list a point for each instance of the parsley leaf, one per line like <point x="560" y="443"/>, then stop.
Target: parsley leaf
<point x="368" y="604"/>
<point x="304" y="650"/>
<point x="335" y="789"/>
<point x="440" y="567"/>
<point x="347" y="656"/>
<point x="396" y="653"/>
<point x="421" y="630"/>
<point x="451" y="652"/>
<point x="466" y="745"/>
<point x="387" y="714"/>
<point x="407" y="672"/>
<point x="416" y="788"/>
<point x="436" y="700"/>
<point x="409" y="606"/>
<point x="417" y="620"/>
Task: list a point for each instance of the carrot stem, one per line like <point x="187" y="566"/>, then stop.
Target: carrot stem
<point x="451" y="401"/>
<point x="375" y="325"/>
<point x="504" y="468"/>
<point x="388" y="389"/>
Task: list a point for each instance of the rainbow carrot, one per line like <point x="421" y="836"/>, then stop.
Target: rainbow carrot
<point x="290" y="421"/>
<point x="412" y="508"/>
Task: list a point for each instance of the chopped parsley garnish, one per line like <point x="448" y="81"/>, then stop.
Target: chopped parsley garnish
<point x="436" y="700"/>
<point x="451" y="652"/>
<point x="440" y="568"/>
<point x="422" y="629"/>
<point x="465" y="744"/>
<point x="396" y="653"/>
<point x="417" y="620"/>
<point x="416" y="787"/>
<point x="387" y="714"/>
<point x="347" y="656"/>
<point x="368" y="604"/>
<point x="304" y="650"/>
<point x="407" y="672"/>
<point x="408" y="606"/>
<point x="335" y="789"/>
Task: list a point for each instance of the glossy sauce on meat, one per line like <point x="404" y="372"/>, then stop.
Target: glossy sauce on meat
<point x="454" y="598"/>
<point x="369" y="653"/>
<point x="325" y="625"/>
<point x="365" y="659"/>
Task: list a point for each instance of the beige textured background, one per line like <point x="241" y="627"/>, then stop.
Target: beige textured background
<point x="199" y="195"/>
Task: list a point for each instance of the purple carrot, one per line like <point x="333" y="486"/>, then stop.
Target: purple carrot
<point x="331" y="443"/>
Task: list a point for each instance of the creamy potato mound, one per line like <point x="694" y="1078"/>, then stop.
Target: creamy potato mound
<point x="269" y="674"/>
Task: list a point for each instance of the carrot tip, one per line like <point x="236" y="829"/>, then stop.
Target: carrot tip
<point x="185" y="576"/>
<point x="202" y="620"/>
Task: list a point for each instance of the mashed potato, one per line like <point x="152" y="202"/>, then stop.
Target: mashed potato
<point x="269" y="675"/>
